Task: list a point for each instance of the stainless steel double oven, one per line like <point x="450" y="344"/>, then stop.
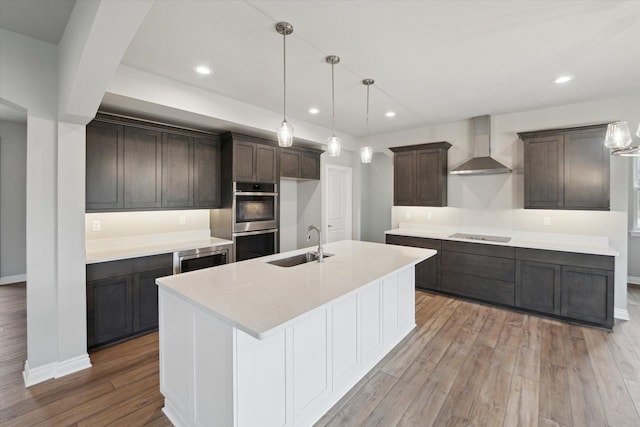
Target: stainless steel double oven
<point x="255" y="220"/>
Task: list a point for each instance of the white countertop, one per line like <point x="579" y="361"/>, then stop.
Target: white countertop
<point x="586" y="244"/>
<point x="147" y="247"/>
<point x="260" y="298"/>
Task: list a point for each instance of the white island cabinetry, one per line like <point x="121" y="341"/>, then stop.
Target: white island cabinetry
<point x="217" y="370"/>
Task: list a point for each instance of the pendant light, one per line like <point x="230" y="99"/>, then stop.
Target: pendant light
<point x="618" y="138"/>
<point x="366" y="152"/>
<point x="285" y="131"/>
<point x="333" y="143"/>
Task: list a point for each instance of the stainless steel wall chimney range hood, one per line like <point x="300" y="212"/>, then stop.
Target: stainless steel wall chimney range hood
<point x="482" y="163"/>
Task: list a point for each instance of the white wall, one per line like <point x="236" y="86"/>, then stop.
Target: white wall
<point x="309" y="210"/>
<point x="13" y="191"/>
<point x="497" y="201"/>
<point x="634" y="260"/>
<point x="378" y="191"/>
<point x="288" y="215"/>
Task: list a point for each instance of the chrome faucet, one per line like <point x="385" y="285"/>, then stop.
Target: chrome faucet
<point x="313" y="227"/>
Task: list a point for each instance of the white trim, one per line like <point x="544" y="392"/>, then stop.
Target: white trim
<point x="8" y="280"/>
<point x="72" y="365"/>
<point x="621" y="313"/>
<point x="349" y="197"/>
<point x="33" y="376"/>
<point x="39" y="374"/>
<point x="634" y="280"/>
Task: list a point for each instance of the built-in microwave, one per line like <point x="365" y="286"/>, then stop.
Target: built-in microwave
<point x="199" y="258"/>
<point x="255" y="206"/>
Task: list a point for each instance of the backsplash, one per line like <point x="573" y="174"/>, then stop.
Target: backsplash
<point x="122" y="225"/>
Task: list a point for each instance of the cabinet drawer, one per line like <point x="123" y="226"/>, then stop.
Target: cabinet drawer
<point x="479" y="288"/>
<point x="416" y="242"/>
<point x="104" y="270"/>
<point x="478" y="249"/>
<point x="479" y="265"/>
<point x="603" y="262"/>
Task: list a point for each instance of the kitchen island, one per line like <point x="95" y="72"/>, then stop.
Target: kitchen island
<point x="256" y="344"/>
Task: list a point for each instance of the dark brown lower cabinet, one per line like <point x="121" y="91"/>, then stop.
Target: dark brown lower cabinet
<point x="478" y="271"/>
<point x="109" y="309"/>
<point x="538" y="286"/>
<point x="567" y="285"/>
<point x="122" y="298"/>
<point x="145" y="297"/>
<point x="587" y="294"/>
<point x="427" y="272"/>
<point x="481" y="288"/>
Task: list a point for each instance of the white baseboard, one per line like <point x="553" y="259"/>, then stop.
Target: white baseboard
<point x="7" y="280"/>
<point x="621" y="313"/>
<point x="37" y="375"/>
<point x="72" y="365"/>
<point x="633" y="280"/>
<point x="33" y="376"/>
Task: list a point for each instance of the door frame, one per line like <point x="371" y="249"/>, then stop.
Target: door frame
<point x="325" y="200"/>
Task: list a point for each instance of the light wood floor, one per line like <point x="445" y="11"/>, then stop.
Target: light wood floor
<point x="465" y="364"/>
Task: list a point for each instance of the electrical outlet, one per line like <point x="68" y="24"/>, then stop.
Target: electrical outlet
<point x="182" y="220"/>
<point x="428" y="215"/>
<point x="407" y="215"/>
<point x="546" y="220"/>
<point x="96" y="225"/>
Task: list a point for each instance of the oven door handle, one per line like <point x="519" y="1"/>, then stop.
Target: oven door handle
<point x="253" y="233"/>
<point x="253" y="193"/>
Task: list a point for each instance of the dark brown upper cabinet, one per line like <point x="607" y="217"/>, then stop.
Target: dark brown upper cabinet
<point x="300" y="163"/>
<point x="566" y="169"/>
<point x="142" y="168"/>
<point x="177" y="181"/>
<point x="104" y="166"/>
<point x="252" y="159"/>
<point x="133" y="165"/>
<point x="420" y="174"/>
<point x="206" y="172"/>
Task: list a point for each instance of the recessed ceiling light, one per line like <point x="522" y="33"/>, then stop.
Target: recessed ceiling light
<point x="563" y="79"/>
<point x="202" y="69"/>
<point x="313" y="110"/>
<point x="390" y="114"/>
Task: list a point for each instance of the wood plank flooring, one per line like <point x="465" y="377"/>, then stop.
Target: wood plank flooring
<point x="465" y="364"/>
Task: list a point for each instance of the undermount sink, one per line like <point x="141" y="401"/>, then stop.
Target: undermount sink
<point x="501" y="239"/>
<point x="294" y="260"/>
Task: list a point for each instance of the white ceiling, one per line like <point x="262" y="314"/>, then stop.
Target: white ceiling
<point x="432" y="61"/>
<point x="44" y="20"/>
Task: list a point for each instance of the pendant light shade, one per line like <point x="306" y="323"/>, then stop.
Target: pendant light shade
<point x="366" y="152"/>
<point x="333" y="146"/>
<point x="333" y="143"/>
<point x="285" y="131"/>
<point x="620" y="132"/>
<point x="617" y="136"/>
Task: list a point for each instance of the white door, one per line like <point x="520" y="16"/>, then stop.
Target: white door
<point x="338" y="203"/>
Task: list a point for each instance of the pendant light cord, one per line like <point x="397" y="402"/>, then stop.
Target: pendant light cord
<point x="333" y="102"/>
<point x="366" y="137"/>
<point x="284" y="66"/>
